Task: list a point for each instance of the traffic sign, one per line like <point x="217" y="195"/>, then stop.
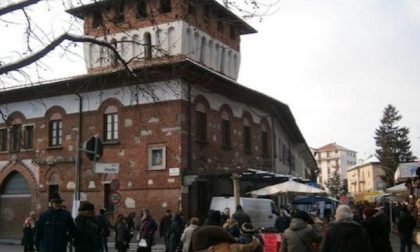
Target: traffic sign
<point x="115" y="185"/>
<point x="94" y="148"/>
<point x="115" y="198"/>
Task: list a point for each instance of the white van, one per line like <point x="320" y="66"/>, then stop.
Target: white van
<point x="263" y="212"/>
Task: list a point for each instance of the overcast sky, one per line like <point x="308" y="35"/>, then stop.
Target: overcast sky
<point x="337" y="64"/>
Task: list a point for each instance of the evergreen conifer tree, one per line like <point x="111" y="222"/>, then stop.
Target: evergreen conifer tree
<point x="393" y="145"/>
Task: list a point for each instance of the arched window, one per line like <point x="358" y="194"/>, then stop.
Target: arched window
<point x="15" y="183"/>
<point x="147" y="40"/>
<point x="124" y="48"/>
<point x="171" y="40"/>
<point x="222" y="60"/>
<point x="196" y="46"/>
<point x="247" y="135"/>
<point x="159" y="43"/>
<point x="92" y="59"/>
<point x="111" y="123"/>
<point x="226" y="129"/>
<point x="235" y="65"/>
<point x="136" y="46"/>
<point x="201" y="122"/>
<point x="264" y="140"/>
<point x="56" y="130"/>
<point x="203" y="50"/>
<point x="210" y="59"/>
<point x="112" y="55"/>
<point x="229" y="63"/>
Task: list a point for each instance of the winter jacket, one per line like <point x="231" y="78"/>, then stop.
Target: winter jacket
<point x="375" y="232"/>
<point x="299" y="237"/>
<point x="122" y="235"/>
<point x="165" y="225"/>
<point x="345" y="236"/>
<point x="186" y="237"/>
<point x="282" y="223"/>
<point x="248" y="239"/>
<point x="52" y="230"/>
<point x="406" y="224"/>
<point x="89" y="232"/>
<point x="177" y="227"/>
<point x="241" y="217"/>
<point x="147" y="229"/>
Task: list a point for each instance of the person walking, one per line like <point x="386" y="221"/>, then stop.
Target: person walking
<point x="345" y="235"/>
<point x="122" y="234"/>
<point x="240" y="216"/>
<point x="300" y="235"/>
<point x="105" y="226"/>
<point x="282" y="221"/>
<point x="165" y="227"/>
<point x="232" y="227"/>
<point x="146" y="232"/>
<point x="406" y="226"/>
<point x="247" y="236"/>
<point x="186" y="235"/>
<point x="374" y="230"/>
<point x="88" y="238"/>
<point x="177" y="227"/>
<point x="28" y="232"/>
<point x="54" y="228"/>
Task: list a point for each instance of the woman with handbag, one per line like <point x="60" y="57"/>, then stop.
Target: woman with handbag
<point x="146" y="231"/>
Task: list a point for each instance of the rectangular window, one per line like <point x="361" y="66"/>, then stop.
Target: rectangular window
<point x="165" y="6"/>
<point x="3" y="139"/>
<point x="28" y="135"/>
<point x="56" y="132"/>
<point x="225" y="132"/>
<point x="141" y="9"/>
<point x="111" y="127"/>
<point x="201" y="130"/>
<point x="15" y="138"/>
<point x="247" y="138"/>
<point x="264" y="143"/>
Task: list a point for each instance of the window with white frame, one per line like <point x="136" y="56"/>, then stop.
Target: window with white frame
<point x="55" y="132"/>
<point x="111" y="123"/>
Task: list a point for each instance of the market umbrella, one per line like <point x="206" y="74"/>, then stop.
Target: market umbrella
<point x="401" y="188"/>
<point x="290" y="186"/>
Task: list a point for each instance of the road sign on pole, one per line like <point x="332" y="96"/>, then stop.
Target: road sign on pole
<point x="115" y="198"/>
<point x="115" y="185"/>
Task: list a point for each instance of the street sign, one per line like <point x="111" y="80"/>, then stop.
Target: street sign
<point x="115" y="185"/>
<point x="107" y="168"/>
<point x="94" y="148"/>
<point x="115" y="198"/>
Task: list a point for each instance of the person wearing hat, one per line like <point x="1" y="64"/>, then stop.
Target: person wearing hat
<point x="300" y="235"/>
<point x="88" y="238"/>
<point x="248" y="235"/>
<point x="213" y="238"/>
<point x="54" y="227"/>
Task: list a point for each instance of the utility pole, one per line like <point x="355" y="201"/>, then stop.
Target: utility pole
<point x="76" y="196"/>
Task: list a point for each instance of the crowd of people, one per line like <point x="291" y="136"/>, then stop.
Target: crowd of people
<point x="361" y="228"/>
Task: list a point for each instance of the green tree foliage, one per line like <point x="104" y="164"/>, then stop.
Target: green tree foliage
<point x="334" y="184"/>
<point x="393" y="145"/>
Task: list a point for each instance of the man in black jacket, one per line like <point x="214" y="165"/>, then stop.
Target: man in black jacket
<point x="406" y="225"/>
<point x="165" y="228"/>
<point x="53" y="228"/>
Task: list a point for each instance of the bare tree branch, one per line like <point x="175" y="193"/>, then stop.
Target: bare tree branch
<point x="51" y="46"/>
<point x="17" y="6"/>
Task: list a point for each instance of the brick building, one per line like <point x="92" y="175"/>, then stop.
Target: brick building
<point x="178" y="126"/>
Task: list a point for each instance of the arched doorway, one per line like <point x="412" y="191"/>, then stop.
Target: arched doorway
<point x="15" y="204"/>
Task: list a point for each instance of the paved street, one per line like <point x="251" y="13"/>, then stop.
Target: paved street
<point x="160" y="248"/>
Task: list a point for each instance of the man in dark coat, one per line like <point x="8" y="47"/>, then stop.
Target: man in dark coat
<point x="54" y="228"/>
<point x="165" y="228"/>
<point x="345" y="235"/>
<point x="406" y="226"/>
<point x="105" y="226"/>
<point x="88" y="238"/>
<point x="240" y="216"/>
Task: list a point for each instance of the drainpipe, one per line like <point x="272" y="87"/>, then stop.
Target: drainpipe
<point x="76" y="196"/>
<point x="273" y="150"/>
<point x="189" y="120"/>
